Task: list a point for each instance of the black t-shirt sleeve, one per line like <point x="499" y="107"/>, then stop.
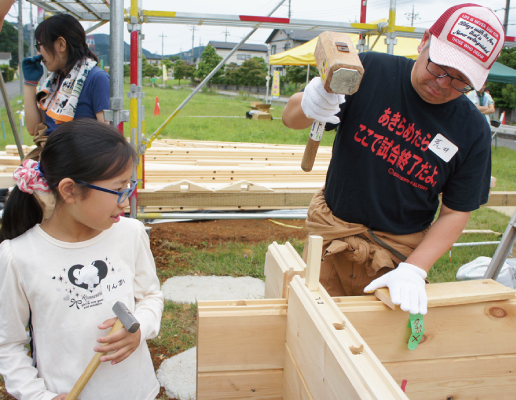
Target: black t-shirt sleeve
<point x="469" y="187"/>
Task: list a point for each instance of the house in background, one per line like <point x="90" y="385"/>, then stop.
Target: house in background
<point x="245" y="52"/>
<point x="154" y="60"/>
<point x="281" y="40"/>
<point x="5" y="58"/>
<point x="284" y="39"/>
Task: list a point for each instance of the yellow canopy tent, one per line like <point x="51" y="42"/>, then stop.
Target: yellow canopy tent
<point x="304" y="54"/>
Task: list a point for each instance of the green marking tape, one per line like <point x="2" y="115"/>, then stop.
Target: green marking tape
<point x="417" y="326"/>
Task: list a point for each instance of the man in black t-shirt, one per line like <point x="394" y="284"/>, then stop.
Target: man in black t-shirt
<point x="407" y="136"/>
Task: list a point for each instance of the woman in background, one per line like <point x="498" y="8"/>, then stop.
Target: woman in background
<point x="76" y="87"/>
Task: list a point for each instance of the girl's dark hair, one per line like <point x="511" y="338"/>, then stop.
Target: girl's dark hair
<point x="83" y="149"/>
<point x="71" y="30"/>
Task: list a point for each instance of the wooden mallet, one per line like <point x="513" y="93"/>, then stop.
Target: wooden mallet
<point x="341" y="72"/>
<point x="125" y="319"/>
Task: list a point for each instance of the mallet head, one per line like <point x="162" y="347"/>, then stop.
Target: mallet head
<point x="126" y="317"/>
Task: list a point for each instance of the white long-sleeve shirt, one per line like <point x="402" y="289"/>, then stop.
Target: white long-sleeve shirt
<point x="66" y="290"/>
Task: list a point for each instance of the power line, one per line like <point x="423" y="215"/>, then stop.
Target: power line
<point x="411" y="16"/>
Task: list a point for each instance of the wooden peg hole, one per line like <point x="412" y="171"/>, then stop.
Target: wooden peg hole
<point x="356" y="350"/>
<point x="339" y="325"/>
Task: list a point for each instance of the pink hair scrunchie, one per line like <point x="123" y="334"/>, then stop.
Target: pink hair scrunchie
<point x="29" y="180"/>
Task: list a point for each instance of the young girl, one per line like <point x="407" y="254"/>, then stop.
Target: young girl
<point x="77" y="87"/>
<point x="62" y="277"/>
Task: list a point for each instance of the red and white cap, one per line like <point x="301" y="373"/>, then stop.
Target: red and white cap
<point x="469" y="38"/>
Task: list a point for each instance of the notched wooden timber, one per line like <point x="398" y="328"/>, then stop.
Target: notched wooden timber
<point x="455" y="293"/>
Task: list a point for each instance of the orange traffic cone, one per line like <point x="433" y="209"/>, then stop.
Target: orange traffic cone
<point x="156" y="107"/>
<point x="503" y="118"/>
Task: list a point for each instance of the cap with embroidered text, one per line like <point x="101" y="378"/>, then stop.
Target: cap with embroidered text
<point x="469" y="38"/>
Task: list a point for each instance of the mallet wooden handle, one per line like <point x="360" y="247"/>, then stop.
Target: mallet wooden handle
<point x="91" y="368"/>
<point x="312" y="145"/>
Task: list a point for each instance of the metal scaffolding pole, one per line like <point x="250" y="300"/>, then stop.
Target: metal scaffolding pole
<point x="215" y="216"/>
<point x="135" y="96"/>
<point x="116" y="115"/>
<point x="10" y="115"/>
<point x="390" y="41"/>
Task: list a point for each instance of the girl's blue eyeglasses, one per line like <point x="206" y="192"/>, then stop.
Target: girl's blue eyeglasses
<point x="124" y="194"/>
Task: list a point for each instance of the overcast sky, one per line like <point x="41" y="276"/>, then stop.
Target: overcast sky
<point x="179" y="37"/>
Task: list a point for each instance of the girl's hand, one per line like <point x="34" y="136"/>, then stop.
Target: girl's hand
<point x="122" y="343"/>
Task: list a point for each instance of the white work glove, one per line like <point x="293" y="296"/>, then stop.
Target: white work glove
<point x="320" y="105"/>
<point x="406" y="286"/>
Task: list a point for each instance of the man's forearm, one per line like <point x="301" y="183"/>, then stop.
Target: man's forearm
<point x="443" y="233"/>
<point x="293" y="116"/>
<point x="486" y="109"/>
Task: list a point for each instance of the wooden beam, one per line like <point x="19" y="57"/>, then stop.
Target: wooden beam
<point x="483" y="378"/>
<point x="284" y="198"/>
<point x="455" y="293"/>
<point x="240" y="385"/>
<point x="238" y="338"/>
<point x="336" y="363"/>
<point x="294" y="385"/>
<point x="467" y="330"/>
<point x="501" y="199"/>
<point x="313" y="263"/>
<point x="282" y="263"/>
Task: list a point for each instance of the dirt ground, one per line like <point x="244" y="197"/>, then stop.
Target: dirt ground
<point x="206" y="233"/>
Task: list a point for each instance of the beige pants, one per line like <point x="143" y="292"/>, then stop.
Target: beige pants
<point x="351" y="259"/>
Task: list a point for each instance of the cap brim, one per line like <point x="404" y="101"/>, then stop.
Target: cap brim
<point x="449" y="56"/>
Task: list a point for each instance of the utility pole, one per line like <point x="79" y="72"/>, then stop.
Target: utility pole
<point x="162" y="36"/>
<point x="193" y="28"/>
<point x="412" y="16"/>
<point x="20" y="44"/>
<point x="506" y="19"/>
<point x="289" y="9"/>
<point x="226" y="33"/>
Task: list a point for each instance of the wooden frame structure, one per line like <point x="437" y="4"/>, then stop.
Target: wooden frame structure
<point x="309" y="346"/>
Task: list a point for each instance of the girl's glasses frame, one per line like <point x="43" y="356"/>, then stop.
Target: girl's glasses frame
<point x="124" y="194"/>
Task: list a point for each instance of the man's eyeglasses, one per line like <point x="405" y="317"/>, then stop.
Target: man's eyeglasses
<point x="124" y="194"/>
<point x="38" y="46"/>
<point x="440" y="72"/>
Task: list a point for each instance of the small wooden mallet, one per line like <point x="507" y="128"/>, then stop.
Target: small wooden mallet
<point x="341" y="72"/>
<point x="125" y="319"/>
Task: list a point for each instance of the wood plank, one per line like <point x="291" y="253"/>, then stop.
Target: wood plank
<point x="278" y="198"/>
<point x="282" y="263"/>
<point x="335" y="361"/>
<point x="454" y="293"/>
<point x="479" y="329"/>
<point x="240" y="385"/>
<point x="239" y="339"/>
<point x="479" y="378"/>
<point x="313" y="263"/>
<point x="206" y="304"/>
<point x="216" y="199"/>
<point x="501" y="198"/>
<point x="294" y="385"/>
